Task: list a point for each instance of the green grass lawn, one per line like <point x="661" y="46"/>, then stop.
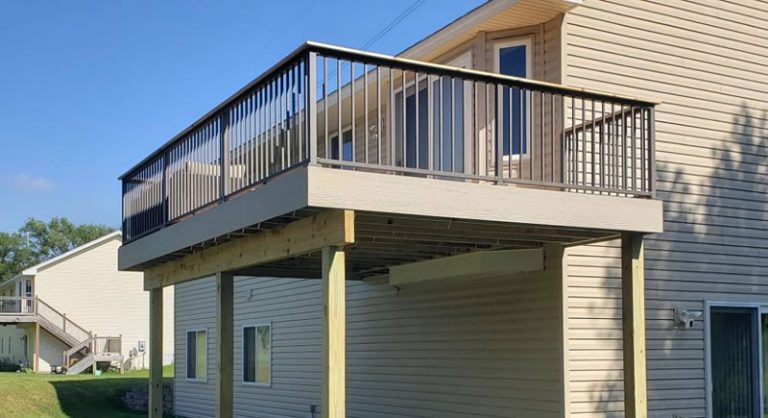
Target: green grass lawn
<point x="44" y="395"/>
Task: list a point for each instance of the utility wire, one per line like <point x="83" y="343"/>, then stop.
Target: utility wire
<point x="383" y="32"/>
<point x="391" y="25"/>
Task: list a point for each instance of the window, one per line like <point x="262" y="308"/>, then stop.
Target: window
<point x="257" y="354"/>
<point x="197" y="353"/>
<point x="346" y="146"/>
<point x="737" y="338"/>
<point x="449" y="110"/>
<point x="514" y="58"/>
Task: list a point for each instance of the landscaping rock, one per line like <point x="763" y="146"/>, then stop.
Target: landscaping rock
<point x="137" y="399"/>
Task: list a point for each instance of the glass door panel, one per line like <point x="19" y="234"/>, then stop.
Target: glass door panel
<point x="734" y="365"/>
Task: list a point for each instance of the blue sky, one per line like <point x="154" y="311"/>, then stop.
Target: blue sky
<point x="88" y="88"/>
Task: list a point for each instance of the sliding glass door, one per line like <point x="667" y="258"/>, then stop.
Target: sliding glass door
<point x="735" y="370"/>
<point x="738" y="357"/>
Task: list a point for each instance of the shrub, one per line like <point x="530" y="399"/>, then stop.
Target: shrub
<point x="6" y="365"/>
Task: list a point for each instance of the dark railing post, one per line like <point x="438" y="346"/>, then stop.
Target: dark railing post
<point x="563" y="144"/>
<point x="652" y="150"/>
<point x="164" y="186"/>
<point x="126" y="232"/>
<point x="498" y="125"/>
<point x="223" y="153"/>
<point x="311" y="106"/>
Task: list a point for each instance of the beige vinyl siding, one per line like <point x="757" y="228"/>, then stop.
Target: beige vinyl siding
<point x="486" y="348"/>
<point x="195" y="309"/>
<point x="51" y="349"/>
<point x="707" y="61"/>
<point x="293" y="308"/>
<point x="478" y="348"/>
<point x="12" y="344"/>
<point x="89" y="289"/>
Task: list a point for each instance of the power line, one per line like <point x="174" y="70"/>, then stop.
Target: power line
<point x="391" y="25"/>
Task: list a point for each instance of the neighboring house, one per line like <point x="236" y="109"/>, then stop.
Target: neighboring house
<point x="360" y="235"/>
<point x="77" y="308"/>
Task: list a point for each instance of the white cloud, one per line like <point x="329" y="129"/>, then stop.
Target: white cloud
<point x="29" y="183"/>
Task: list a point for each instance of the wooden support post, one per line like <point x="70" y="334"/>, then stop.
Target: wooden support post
<point x="156" y="353"/>
<point x="334" y="332"/>
<point x="36" y="365"/>
<point x="94" y="352"/>
<point x="633" y="308"/>
<point x="224" y="343"/>
<point x="554" y="273"/>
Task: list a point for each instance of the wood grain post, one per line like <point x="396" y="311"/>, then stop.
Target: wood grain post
<point x="224" y="343"/>
<point x="633" y="308"/>
<point x="334" y="332"/>
<point x="94" y="352"/>
<point x="156" y="353"/>
<point x="36" y="365"/>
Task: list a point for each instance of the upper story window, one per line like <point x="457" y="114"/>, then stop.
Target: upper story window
<point x="450" y="106"/>
<point x="197" y="355"/>
<point x="257" y="354"/>
<point x="514" y="58"/>
<point x="346" y="146"/>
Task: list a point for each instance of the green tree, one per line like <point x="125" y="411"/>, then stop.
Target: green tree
<point x="37" y="241"/>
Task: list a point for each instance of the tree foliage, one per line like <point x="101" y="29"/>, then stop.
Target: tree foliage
<point x="37" y="241"/>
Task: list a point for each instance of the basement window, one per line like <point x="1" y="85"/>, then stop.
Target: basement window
<point x="257" y="354"/>
<point x="197" y="355"/>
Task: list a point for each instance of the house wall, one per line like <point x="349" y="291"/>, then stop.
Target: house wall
<point x="706" y="60"/>
<point x="12" y="347"/>
<point x="12" y="344"/>
<point x="194" y="309"/>
<point x="51" y="349"/>
<point x="486" y="347"/>
<point x="90" y="290"/>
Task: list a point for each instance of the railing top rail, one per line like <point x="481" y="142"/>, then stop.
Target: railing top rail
<point x="78" y="346"/>
<point x="388" y="60"/>
<point x="64" y="317"/>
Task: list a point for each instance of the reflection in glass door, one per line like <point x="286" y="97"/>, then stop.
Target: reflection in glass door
<point x="764" y="358"/>
<point x="734" y="366"/>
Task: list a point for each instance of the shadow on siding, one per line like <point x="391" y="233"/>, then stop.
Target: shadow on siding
<point x="703" y="211"/>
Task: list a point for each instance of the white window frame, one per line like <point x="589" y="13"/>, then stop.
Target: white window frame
<point x="761" y="309"/>
<point x="255" y="325"/>
<point x="186" y="355"/>
<point x="527" y="41"/>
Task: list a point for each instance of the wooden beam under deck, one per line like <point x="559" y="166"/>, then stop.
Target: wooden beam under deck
<point x="474" y="265"/>
<point x="327" y="228"/>
<point x="386" y="240"/>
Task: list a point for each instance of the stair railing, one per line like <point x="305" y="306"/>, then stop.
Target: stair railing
<point x="61" y="321"/>
<point x="88" y="343"/>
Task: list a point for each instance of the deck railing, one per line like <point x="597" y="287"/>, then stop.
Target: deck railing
<point x="349" y="109"/>
<point x="34" y="307"/>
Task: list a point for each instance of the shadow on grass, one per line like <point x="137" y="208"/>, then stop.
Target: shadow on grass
<point x="96" y="398"/>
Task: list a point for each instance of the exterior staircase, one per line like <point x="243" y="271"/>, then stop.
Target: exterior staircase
<point x="86" y="349"/>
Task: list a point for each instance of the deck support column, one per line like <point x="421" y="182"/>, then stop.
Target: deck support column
<point x="633" y="309"/>
<point x="156" y="352"/>
<point x="334" y="332"/>
<point x="224" y="343"/>
<point x="36" y="364"/>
